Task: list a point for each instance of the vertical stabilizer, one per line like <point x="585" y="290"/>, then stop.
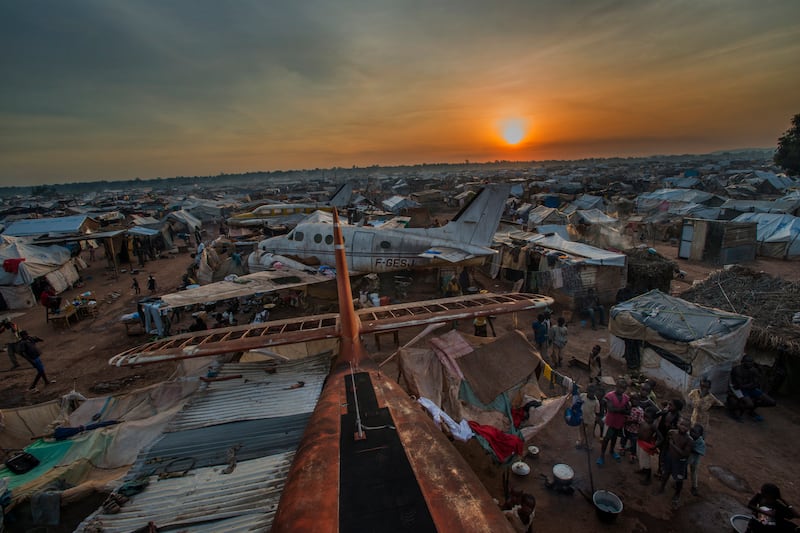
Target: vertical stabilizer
<point x="342" y="195"/>
<point x="350" y="348"/>
<point x="477" y="221"/>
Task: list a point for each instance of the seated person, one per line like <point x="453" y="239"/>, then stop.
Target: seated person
<point x="745" y="392"/>
<point x="770" y="512"/>
<point x="522" y="511"/>
<point x="452" y="288"/>
<point x="49" y="299"/>
<point x="592" y="308"/>
<point x="199" y="323"/>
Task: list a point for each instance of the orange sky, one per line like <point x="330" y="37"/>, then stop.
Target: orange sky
<point x="113" y="90"/>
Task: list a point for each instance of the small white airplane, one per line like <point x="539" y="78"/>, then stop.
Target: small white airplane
<point x="274" y="214"/>
<point x="468" y="236"/>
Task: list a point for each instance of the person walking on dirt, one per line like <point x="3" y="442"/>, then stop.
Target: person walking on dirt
<point x="9" y="335"/>
<point x="31" y="353"/>
<point x="135" y="286"/>
<point x="151" y="284"/>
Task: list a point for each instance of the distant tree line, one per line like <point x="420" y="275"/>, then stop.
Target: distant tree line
<point x="787" y="156"/>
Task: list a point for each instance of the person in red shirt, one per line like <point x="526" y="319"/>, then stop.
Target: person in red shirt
<point x="618" y="405"/>
<point x="49" y="299"/>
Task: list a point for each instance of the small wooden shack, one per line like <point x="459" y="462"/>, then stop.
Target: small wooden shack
<point x="720" y="242"/>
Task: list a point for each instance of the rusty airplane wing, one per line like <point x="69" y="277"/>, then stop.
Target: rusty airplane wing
<point x="374" y="319"/>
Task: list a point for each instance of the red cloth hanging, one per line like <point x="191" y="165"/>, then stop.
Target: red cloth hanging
<point x="518" y="415"/>
<point x="12" y="265"/>
<point x="504" y="445"/>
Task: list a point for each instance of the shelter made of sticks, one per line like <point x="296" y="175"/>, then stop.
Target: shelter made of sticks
<point x="647" y="270"/>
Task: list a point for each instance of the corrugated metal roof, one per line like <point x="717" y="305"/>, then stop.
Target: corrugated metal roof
<point x="255" y="395"/>
<point x="209" y="446"/>
<point x="40" y="226"/>
<point x="206" y="500"/>
<point x="257" y="417"/>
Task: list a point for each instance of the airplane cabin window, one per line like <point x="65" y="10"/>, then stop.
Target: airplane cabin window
<point x="328" y="239"/>
<point x="317" y="238"/>
<point x="386" y="245"/>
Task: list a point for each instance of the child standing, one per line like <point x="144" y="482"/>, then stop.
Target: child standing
<point x="647" y="444"/>
<point x="676" y="456"/>
<point x="558" y="338"/>
<point x="698" y="450"/>
<point x="631" y="430"/>
<point x="590" y="409"/>
<point x="151" y="284"/>
<point x="135" y="287"/>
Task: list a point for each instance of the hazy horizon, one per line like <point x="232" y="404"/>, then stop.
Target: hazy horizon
<point x="108" y="90"/>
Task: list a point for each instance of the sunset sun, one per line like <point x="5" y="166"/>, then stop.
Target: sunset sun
<point x="513" y="130"/>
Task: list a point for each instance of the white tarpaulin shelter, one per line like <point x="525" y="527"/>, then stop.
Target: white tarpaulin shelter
<point x="682" y="341"/>
<point x="777" y="235"/>
<point x="22" y="263"/>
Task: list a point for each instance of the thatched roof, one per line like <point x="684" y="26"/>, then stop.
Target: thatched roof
<point x="771" y="301"/>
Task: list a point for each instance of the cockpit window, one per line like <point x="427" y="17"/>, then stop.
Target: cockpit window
<point x="298" y="236"/>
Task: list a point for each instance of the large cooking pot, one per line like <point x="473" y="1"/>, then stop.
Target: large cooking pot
<point x="562" y="475"/>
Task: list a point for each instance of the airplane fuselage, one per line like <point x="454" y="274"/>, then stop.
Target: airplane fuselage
<point x="370" y="249"/>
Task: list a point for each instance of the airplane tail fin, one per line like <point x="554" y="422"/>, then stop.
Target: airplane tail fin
<point x="351" y="350"/>
<point x="342" y="195"/>
<point x="477" y="221"/>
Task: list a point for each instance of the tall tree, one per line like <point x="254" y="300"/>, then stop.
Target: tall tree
<point x="787" y="156"/>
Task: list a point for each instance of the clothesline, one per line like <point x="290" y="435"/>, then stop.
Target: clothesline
<point x="556" y="378"/>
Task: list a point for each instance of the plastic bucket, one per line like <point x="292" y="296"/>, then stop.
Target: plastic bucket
<point x="607" y="505"/>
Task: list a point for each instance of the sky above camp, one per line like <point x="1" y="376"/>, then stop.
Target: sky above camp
<point x="109" y="89"/>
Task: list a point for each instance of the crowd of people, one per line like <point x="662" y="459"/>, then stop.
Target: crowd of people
<point x="665" y="440"/>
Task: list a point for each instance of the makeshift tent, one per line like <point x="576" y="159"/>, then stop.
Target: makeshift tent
<point x="682" y="341"/>
<point x="777" y="235"/>
<point x="546" y="215"/>
<point x="23" y="263"/>
<point x="585" y="202"/>
<point x="468" y="378"/>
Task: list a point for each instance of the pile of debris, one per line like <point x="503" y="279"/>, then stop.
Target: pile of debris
<point x="771" y="301"/>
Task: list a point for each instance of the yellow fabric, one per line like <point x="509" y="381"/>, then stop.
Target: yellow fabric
<point x="548" y="372"/>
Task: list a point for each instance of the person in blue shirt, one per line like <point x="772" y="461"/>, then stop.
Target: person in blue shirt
<point x="540" y="335"/>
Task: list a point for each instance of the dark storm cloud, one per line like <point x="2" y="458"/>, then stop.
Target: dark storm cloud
<point x="81" y="57"/>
